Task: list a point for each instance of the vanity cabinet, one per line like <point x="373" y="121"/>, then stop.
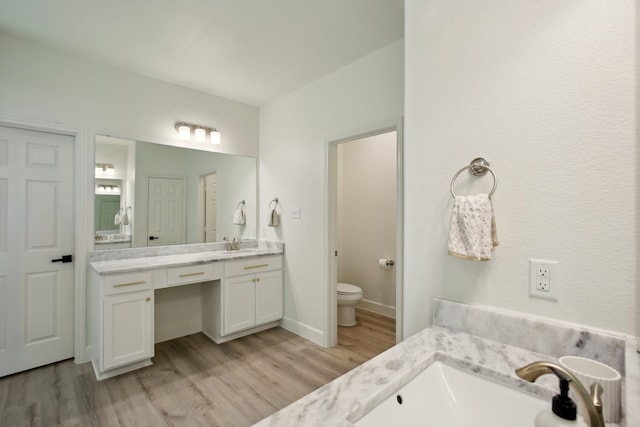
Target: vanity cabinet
<point x="122" y="321"/>
<point x="239" y="297"/>
<point x="127" y="328"/>
<point x="250" y="298"/>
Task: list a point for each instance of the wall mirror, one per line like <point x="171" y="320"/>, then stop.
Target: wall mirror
<point x="149" y="194"/>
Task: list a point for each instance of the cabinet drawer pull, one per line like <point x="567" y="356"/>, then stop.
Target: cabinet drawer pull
<point x="148" y="299"/>
<point x="256" y="266"/>
<point x="192" y="274"/>
<point x="130" y="283"/>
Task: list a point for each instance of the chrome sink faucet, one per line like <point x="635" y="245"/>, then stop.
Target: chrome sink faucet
<point x="233" y="245"/>
<point x="591" y="402"/>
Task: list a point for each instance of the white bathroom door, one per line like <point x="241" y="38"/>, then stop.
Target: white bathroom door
<point x="165" y="222"/>
<point x="36" y="227"/>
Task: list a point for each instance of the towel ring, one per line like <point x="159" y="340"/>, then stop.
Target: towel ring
<point x="478" y="167"/>
<point x="240" y="204"/>
<point x="275" y="200"/>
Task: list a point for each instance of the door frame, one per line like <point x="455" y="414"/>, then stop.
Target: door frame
<point x="83" y="164"/>
<point x="331" y="197"/>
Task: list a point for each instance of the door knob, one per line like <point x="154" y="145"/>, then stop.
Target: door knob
<point x="64" y="259"/>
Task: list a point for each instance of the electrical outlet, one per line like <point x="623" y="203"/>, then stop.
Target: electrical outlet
<point x="543" y="280"/>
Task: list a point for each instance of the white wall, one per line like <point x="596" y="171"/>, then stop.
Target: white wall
<point x="41" y="84"/>
<point x="294" y="135"/>
<point x="367" y="218"/>
<point x="546" y="91"/>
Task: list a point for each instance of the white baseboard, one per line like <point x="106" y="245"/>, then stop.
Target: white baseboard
<point x="305" y="331"/>
<point x="376" y="307"/>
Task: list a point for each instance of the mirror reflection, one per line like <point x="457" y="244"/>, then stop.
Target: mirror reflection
<point x="150" y="194"/>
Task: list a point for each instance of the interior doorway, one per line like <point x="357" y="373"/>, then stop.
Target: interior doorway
<point x="365" y="223"/>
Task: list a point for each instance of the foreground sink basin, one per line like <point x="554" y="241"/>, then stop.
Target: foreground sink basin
<point x="442" y="395"/>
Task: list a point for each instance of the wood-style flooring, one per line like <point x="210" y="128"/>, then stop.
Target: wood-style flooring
<point x="193" y="382"/>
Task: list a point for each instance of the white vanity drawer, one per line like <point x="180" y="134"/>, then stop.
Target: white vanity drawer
<point x="253" y="265"/>
<point x="127" y="282"/>
<point x="194" y="273"/>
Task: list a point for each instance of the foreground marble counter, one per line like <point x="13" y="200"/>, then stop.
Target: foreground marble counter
<point x="349" y="397"/>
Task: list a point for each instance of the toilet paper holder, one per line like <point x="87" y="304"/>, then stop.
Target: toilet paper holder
<point x="385" y="263"/>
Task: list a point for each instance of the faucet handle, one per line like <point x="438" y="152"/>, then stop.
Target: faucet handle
<point x="596" y="396"/>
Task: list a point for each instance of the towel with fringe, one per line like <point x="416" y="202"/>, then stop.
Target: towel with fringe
<point x="239" y="216"/>
<point x="473" y="234"/>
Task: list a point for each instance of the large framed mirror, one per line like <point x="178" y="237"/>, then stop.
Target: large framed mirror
<point x="149" y="194"/>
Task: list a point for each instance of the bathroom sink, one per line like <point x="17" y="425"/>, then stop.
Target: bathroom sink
<point x="442" y="395"/>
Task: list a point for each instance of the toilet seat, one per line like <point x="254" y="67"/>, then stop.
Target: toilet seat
<point x="348" y="289"/>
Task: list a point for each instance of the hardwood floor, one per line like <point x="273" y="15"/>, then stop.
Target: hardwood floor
<point x="193" y="382"/>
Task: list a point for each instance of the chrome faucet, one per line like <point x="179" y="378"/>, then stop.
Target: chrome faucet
<point x="234" y="245"/>
<point x="591" y="402"/>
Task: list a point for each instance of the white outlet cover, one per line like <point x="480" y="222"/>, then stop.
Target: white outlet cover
<point x="553" y="280"/>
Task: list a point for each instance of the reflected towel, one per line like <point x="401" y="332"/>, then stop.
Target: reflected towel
<point x="473" y="232"/>
<point x="274" y="218"/>
<point x="239" y="217"/>
<point x="116" y="219"/>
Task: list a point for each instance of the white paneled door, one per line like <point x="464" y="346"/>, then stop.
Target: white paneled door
<point x="210" y="208"/>
<point x="165" y="222"/>
<point x="36" y="232"/>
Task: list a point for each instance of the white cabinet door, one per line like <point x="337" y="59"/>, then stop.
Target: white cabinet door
<point x="269" y="297"/>
<point x="239" y="304"/>
<point x="128" y="328"/>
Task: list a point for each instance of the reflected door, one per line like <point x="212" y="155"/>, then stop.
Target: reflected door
<point x="36" y="227"/>
<point x="210" y="207"/>
<point x="165" y="222"/>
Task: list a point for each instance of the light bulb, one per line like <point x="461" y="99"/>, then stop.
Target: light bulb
<point x="200" y="134"/>
<point x="215" y="137"/>
<point x="184" y="131"/>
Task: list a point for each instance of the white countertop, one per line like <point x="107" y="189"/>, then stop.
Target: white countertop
<point x="147" y="260"/>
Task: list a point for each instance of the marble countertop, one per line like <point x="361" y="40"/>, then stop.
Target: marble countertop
<point x="347" y="398"/>
<point x="128" y="260"/>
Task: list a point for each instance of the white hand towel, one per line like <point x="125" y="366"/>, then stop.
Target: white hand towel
<point x="473" y="229"/>
<point x="274" y="218"/>
<point x="116" y="219"/>
<point x="239" y="217"/>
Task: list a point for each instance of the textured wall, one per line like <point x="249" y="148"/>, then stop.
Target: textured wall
<point x="546" y="91"/>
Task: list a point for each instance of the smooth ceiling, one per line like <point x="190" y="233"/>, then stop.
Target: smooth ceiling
<point x="252" y="51"/>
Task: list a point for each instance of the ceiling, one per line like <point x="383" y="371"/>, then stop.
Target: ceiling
<point x="252" y="51"/>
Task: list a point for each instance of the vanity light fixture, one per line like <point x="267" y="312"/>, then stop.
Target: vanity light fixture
<point x="104" y="169"/>
<point x="108" y="189"/>
<point x="200" y="132"/>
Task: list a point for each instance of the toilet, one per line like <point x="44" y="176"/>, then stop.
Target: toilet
<point x="348" y="296"/>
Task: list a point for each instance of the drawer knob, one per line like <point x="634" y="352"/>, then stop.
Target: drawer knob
<point x="148" y="299"/>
